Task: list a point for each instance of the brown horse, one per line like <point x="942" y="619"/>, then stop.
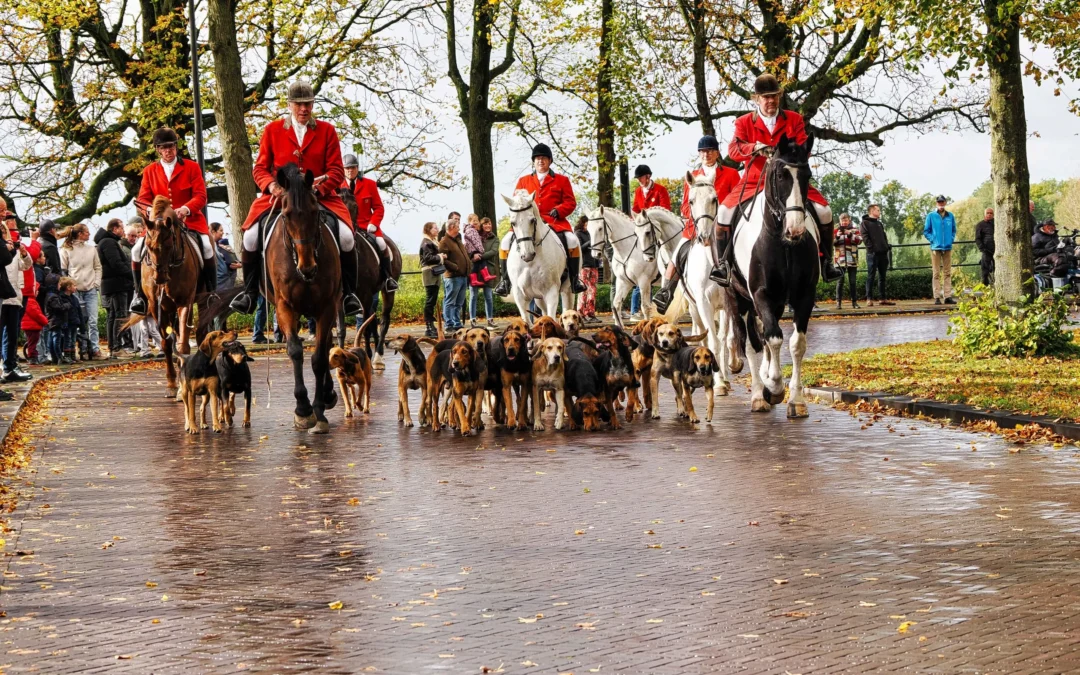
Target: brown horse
<point x="304" y="274"/>
<point x="170" y="276"/>
<point x="369" y="284"/>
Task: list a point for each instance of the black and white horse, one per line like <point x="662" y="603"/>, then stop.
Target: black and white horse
<point x="776" y="264"/>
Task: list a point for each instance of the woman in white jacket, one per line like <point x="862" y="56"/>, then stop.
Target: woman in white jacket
<point x="11" y="309"/>
<point x="80" y="261"/>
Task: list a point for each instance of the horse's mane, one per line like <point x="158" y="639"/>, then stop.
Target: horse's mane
<point x="298" y="191"/>
<point x="161" y="208"/>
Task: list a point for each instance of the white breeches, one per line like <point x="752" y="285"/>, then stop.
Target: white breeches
<point x="571" y="240"/>
<point x="382" y="243"/>
<point x="725" y="213"/>
<point x="138" y="249"/>
<point x="824" y="213"/>
<point x="345" y="238"/>
<point x="207" y="247"/>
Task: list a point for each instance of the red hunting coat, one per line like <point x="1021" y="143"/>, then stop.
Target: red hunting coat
<point x="369" y="206"/>
<point x="658" y="196"/>
<point x="749" y="130"/>
<point x="321" y="155"/>
<point x="726" y="179"/>
<point x="555" y="193"/>
<point x="187" y="188"/>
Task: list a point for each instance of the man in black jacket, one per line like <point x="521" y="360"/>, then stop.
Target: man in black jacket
<point x="116" y="282"/>
<point x="984" y="241"/>
<point x="877" y="253"/>
<point x="1044" y="249"/>
<point x="47" y="239"/>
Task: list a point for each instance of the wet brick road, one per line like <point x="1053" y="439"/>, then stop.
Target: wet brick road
<point x="752" y="545"/>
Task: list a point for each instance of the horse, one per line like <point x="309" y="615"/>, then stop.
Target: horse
<point x="659" y="232"/>
<point x="704" y="297"/>
<point x="369" y="283"/>
<point x="535" y="269"/>
<point x="611" y="228"/>
<point x="304" y="278"/>
<point x="776" y="264"/>
<point x="170" y="278"/>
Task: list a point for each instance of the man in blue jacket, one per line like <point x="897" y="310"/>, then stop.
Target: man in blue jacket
<point x="940" y="231"/>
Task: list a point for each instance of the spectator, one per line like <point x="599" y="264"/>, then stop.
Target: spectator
<point x="258" y="328"/>
<point x="846" y="242"/>
<point x="940" y="230"/>
<point x="474" y="246"/>
<point x="79" y="261"/>
<point x="226" y="259"/>
<point x="58" y="307"/>
<point x="489" y="272"/>
<point x="46" y="285"/>
<point x="47" y="238"/>
<point x="1033" y="225"/>
<point x="456" y="276"/>
<point x="16" y="260"/>
<point x="635" y="305"/>
<point x="431" y="271"/>
<point x="586" y="305"/>
<point x="1044" y="249"/>
<point x="33" y="320"/>
<point x="876" y="243"/>
<point x="132" y="231"/>
<point x="116" y="282"/>
<point x="984" y="241"/>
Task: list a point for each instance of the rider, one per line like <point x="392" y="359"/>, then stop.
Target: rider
<point x="648" y="194"/>
<point x="554" y="197"/>
<point x="369" y="213"/>
<point x="313" y="145"/>
<point x="724" y="180"/>
<point x="180" y="180"/>
<point x="756" y="135"/>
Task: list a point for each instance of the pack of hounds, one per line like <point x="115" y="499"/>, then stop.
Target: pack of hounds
<point x="513" y="375"/>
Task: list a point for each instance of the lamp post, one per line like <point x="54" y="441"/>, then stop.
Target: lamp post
<point x="195" y="86"/>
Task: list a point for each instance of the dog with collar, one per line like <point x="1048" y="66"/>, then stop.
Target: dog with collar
<point x="199" y="377"/>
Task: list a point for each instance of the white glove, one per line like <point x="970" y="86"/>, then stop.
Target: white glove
<point x="371" y="229"/>
<point x="762" y="149"/>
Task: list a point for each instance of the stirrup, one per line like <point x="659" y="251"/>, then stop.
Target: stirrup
<point x="352" y="306"/>
<point x="503" y="289"/>
<point x="391" y="284"/>
<point x="243" y="303"/>
<point x="720" y="274"/>
<point x="138" y="305"/>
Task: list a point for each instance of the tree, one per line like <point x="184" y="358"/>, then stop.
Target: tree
<point x="983" y="40"/>
<point x="1067" y="209"/>
<point x="846" y="192"/>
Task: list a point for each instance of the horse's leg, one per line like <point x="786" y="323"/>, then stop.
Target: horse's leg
<point x="718" y="336"/>
<point x="796" y="401"/>
<point x="325" y="397"/>
<point x="341" y="328"/>
<point x="200" y="331"/>
<point x="774" y="340"/>
<point x="384" y="325"/>
<point x="522" y="304"/>
<point x="621" y="290"/>
<point x="303" y="416"/>
<point x="754" y="348"/>
<point x="170" y="366"/>
<point x="183" y="332"/>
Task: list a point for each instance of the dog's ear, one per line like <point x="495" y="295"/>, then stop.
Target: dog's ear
<point x="207" y="345"/>
<point x="715" y="365"/>
<point x="248" y="358"/>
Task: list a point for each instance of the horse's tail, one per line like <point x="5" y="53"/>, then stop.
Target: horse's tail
<point x="738" y="330"/>
<point x="132" y="320"/>
<point x="679" y="305"/>
<point x="360" y="330"/>
<point x="219" y="309"/>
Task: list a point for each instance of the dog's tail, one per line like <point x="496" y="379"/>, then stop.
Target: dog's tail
<point x="132" y="320"/>
<point x="427" y="341"/>
<point x="439" y="324"/>
<point x="679" y="305"/>
<point x="361" y="328"/>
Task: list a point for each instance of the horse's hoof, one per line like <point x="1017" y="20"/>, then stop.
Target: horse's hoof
<point x="722" y="390"/>
<point x="758" y="404"/>
<point x="321" y="427"/>
<point x="797" y="410"/>
<point x="736" y="365"/>
<point x="331" y="400"/>
<point x="303" y="423"/>
<point x="377" y="362"/>
<point x="775" y="398"/>
<point x="171" y="392"/>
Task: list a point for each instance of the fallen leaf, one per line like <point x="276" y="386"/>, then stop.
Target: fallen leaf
<point x="337" y="604"/>
<point x="903" y="628"/>
<point x="353" y="502"/>
<point x="654" y="621"/>
<point x="151" y="584"/>
<point x="867" y="604"/>
<point x="780" y="582"/>
<point x="693" y="469"/>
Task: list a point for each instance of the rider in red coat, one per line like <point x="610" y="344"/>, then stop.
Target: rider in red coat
<point x="648" y="194"/>
<point x="369" y="213"/>
<point x="724" y="178"/>
<point x="313" y="145"/>
<point x="180" y="180"/>
<point x="554" y="197"/>
<point x="756" y="134"/>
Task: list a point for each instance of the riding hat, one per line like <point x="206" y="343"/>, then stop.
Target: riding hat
<point x="164" y="136"/>
<point x="642" y="170"/>
<point x="350" y="160"/>
<point x="301" y="91"/>
<point x="708" y="143"/>
<point x="941" y="199"/>
<point x="766" y="84"/>
<point x="541" y="150"/>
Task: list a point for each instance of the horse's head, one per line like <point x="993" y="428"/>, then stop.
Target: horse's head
<point x="300" y="217"/>
<point x="599" y="234"/>
<point x="349" y="198"/>
<point x="648" y="235"/>
<point x="162" y="238"/>
<point x="787" y="180"/>
<point x="524" y="221"/>
<point x="704" y="205"/>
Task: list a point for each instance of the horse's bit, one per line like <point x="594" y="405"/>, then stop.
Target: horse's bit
<point x="518" y="240"/>
<point x="654" y="248"/>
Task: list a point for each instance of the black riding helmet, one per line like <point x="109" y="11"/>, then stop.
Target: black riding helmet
<point x="642" y="170"/>
<point x="708" y="143"/>
<point x="542" y="150"/>
<point x="164" y="136"/>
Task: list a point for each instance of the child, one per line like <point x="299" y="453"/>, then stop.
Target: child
<point x="77" y="335"/>
<point x="58" y="305"/>
<point x="33" y="322"/>
<point x="474" y="246"/>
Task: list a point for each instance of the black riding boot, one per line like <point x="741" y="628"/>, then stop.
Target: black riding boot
<point x="349" y="300"/>
<point x="721" y="271"/>
<point x="503" y="289"/>
<point x="663" y="297"/>
<point x="390" y="284"/>
<point x="138" y="301"/>
<point x="825" y="247"/>
<point x="252" y="262"/>
<point x="573" y="270"/>
<point x="208" y="276"/>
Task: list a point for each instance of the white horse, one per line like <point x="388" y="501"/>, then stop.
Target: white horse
<point x="705" y="299"/>
<point x="611" y="227"/>
<point x="537" y="260"/>
<point x="659" y="232"/>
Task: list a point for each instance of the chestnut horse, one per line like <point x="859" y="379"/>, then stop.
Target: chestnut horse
<point x="369" y="283"/>
<point x="304" y="278"/>
<point x="170" y="277"/>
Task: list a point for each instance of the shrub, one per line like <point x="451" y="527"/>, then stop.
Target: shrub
<point x="1032" y="327"/>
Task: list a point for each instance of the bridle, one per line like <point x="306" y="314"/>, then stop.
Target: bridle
<point x="654" y="230"/>
<point x="607" y="248"/>
<point x="704" y="216"/>
<point x="292" y="242"/>
<point x="771" y="189"/>
<point x="517" y="239"/>
<point x="178" y="242"/>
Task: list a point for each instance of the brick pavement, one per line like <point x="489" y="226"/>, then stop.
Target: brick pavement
<point x="794" y="547"/>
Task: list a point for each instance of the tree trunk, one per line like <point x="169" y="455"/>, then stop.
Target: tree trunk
<point x="1008" y="156"/>
<point x="694" y="15"/>
<point x="605" y="125"/>
<point x="229" y="111"/>
<point x="478" y="130"/>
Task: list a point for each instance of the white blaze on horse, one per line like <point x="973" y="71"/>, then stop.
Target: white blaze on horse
<point x="776" y="264"/>
<point x="537" y="260"/>
<point x="611" y="227"/>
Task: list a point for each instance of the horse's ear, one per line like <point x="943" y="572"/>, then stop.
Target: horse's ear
<point x="784" y="146"/>
<point x="809" y="144"/>
<point x="282" y="178"/>
<point x="309" y="178"/>
<point x="509" y="202"/>
<point x="601" y="210"/>
<point x="689" y="178"/>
